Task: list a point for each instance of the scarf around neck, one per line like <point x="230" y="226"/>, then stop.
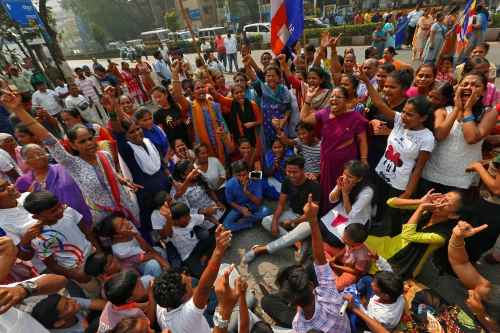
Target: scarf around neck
<point x="148" y="157"/>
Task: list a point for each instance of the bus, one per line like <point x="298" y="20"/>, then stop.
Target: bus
<point x="154" y="38"/>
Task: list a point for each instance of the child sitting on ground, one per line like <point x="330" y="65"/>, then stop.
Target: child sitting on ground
<point x="353" y="261"/>
<point x="193" y="243"/>
<point x="63" y="242"/>
<point x="64" y="314"/>
<point x="308" y="146"/>
<point x="126" y="298"/>
<point x="386" y="301"/>
<point x="130" y="247"/>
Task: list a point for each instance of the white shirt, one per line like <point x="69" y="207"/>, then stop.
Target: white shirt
<point x="16" y="221"/>
<point x="231" y="45"/>
<point x="61" y="90"/>
<point x="18" y="321"/>
<point x="64" y="241"/>
<point x="7" y="163"/>
<point x="403" y="148"/>
<point x="47" y="100"/>
<point x="79" y="102"/>
<point x="126" y="250"/>
<point x="187" y="318"/>
<point x="388" y="315"/>
<point x="413" y="17"/>
<point x="337" y="219"/>
<point x="214" y="172"/>
<point x="451" y="157"/>
<point x="184" y="239"/>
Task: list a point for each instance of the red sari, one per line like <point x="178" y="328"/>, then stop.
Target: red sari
<point x="134" y="90"/>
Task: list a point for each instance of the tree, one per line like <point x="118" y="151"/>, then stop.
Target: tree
<point x="53" y="45"/>
<point x="99" y="34"/>
<point x="172" y="21"/>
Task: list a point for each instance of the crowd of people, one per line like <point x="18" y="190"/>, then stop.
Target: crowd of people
<point x="120" y="192"/>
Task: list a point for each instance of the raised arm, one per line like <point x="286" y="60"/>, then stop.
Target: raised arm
<point x="177" y="87"/>
<point x="307" y="113"/>
<point x="491" y="182"/>
<point x="207" y="279"/>
<point x="12" y="102"/>
<point x="474" y="132"/>
<point x="377" y="100"/>
<point x="249" y="64"/>
<point x="335" y="66"/>
<point x="311" y="213"/>
<point x="443" y="122"/>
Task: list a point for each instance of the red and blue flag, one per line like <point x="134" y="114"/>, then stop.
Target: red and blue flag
<point x="287" y="23"/>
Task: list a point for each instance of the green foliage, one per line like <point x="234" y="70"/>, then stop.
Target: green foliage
<point x="98" y="33"/>
<point x="119" y="19"/>
<point x="346" y="30"/>
<point x="172" y="21"/>
<point x="495" y="21"/>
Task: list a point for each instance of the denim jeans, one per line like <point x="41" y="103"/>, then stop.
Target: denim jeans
<point x="232" y="58"/>
<point x="234" y="221"/>
<point x="287" y="238"/>
<point x="150" y="267"/>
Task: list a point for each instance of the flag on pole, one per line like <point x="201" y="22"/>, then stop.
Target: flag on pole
<point x="465" y="27"/>
<point x="287" y="23"/>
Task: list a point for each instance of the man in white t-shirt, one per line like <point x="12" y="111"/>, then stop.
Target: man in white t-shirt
<point x="63" y="241"/>
<point x="386" y="307"/>
<point x="47" y="99"/>
<point x="84" y="105"/>
<point x="18" y="299"/>
<point x="231" y="46"/>
<point x="179" y="307"/>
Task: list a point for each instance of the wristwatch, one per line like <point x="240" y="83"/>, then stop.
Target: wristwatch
<point x="219" y="322"/>
<point x="30" y="287"/>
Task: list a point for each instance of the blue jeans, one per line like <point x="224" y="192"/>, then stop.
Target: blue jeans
<point x="150" y="267"/>
<point x="234" y="221"/>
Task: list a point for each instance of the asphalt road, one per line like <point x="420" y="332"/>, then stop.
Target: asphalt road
<point x="264" y="269"/>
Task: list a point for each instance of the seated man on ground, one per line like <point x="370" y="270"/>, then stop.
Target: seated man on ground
<point x="294" y="193"/>
<point x="244" y="196"/>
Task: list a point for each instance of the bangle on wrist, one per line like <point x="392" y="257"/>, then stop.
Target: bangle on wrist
<point x="469" y="118"/>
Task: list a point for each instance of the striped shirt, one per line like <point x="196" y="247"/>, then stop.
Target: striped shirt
<point x="88" y="89"/>
<point x="310" y="153"/>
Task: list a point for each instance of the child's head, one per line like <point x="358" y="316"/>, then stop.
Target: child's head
<point x="124" y="287"/>
<point x="445" y="64"/>
<point x="295" y="285"/>
<point x="56" y="312"/>
<point x="261" y="327"/>
<point x="102" y="266"/>
<point x="160" y="198"/>
<point x="278" y="148"/>
<point x="240" y="170"/>
<point x="354" y="234"/>
<point x="44" y="206"/>
<point x="245" y="147"/>
<point x="180" y="214"/>
<point x="171" y="289"/>
<point x="388" y="286"/>
<point x="133" y="325"/>
<point x="182" y="170"/>
<point x="114" y="225"/>
<point x="305" y="132"/>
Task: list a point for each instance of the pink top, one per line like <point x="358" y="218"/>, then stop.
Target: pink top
<point x="492" y="96"/>
<point x="412" y="92"/>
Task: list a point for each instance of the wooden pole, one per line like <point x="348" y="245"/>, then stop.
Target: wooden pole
<point x="189" y="25"/>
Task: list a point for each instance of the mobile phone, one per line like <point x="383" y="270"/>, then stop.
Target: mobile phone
<point x="257" y="175"/>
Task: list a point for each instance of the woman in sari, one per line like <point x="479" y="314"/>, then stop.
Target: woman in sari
<point x="423" y="30"/>
<point x="343" y="138"/>
<point x="389" y="30"/>
<point x="436" y="39"/>
<point x="134" y="89"/>
<point x="208" y="123"/>
<point x="144" y="71"/>
<point x="93" y="170"/>
<point x="43" y="176"/>
<point x="245" y="117"/>
<point x="275" y="101"/>
<point x="351" y="84"/>
<point x="427" y="230"/>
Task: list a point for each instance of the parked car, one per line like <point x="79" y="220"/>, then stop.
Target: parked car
<point x="314" y="23"/>
<point x="258" y="29"/>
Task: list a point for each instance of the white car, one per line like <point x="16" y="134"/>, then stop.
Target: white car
<point x="259" y="29"/>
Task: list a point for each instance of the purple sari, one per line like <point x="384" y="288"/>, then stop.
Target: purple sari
<point x="335" y="133"/>
<point x="62" y="185"/>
